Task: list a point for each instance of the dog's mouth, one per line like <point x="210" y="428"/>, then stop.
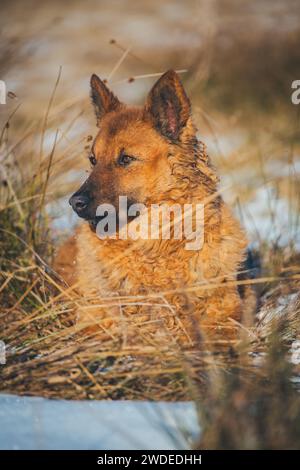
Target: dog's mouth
<point x="95" y="221"/>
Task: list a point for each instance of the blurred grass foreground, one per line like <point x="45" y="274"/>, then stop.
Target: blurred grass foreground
<point x="238" y="61"/>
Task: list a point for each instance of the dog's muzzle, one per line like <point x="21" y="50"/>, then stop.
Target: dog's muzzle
<point x="83" y="205"/>
<point x="79" y="204"/>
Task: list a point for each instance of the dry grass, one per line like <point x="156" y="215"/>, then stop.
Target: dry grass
<point x="48" y="354"/>
<point x="254" y="410"/>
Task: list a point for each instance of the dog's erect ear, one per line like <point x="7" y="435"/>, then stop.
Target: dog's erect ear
<point x="103" y="99"/>
<point x="168" y="105"/>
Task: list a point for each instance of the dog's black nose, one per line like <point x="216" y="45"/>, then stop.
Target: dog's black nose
<point x="79" y="203"/>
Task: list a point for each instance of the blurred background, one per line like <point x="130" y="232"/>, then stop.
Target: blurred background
<point x="236" y="59"/>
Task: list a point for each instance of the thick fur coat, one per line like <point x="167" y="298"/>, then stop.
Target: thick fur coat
<point x="151" y="155"/>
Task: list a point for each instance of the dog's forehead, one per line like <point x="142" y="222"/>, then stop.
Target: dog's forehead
<point x="125" y="128"/>
<point x="116" y="122"/>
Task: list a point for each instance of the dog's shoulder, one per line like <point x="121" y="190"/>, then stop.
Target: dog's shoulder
<point x="65" y="259"/>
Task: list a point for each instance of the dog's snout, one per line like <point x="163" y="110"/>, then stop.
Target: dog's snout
<point x="79" y="203"/>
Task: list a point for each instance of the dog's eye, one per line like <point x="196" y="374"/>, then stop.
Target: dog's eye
<point x="92" y="159"/>
<point x="125" y="160"/>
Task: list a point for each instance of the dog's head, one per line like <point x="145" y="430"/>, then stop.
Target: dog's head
<point x="130" y="154"/>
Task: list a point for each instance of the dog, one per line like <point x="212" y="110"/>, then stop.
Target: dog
<point x="151" y="155"/>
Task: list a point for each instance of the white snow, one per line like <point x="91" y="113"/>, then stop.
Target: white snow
<point x="39" y="423"/>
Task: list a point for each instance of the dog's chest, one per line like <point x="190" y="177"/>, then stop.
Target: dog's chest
<point x="127" y="268"/>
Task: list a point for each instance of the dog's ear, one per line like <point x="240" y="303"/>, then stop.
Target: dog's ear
<point x="103" y="99"/>
<point x="168" y="105"/>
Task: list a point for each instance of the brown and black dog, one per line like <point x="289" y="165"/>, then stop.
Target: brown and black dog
<point x="151" y="155"/>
